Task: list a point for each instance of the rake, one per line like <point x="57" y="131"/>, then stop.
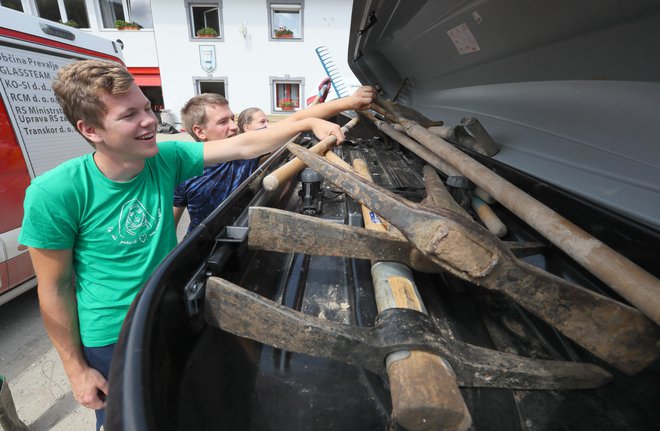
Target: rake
<point x="331" y="70"/>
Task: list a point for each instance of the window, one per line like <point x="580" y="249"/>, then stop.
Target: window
<point x="12" y="4"/>
<point x="285" y="19"/>
<point x="211" y="86"/>
<point x="205" y="20"/>
<point x="138" y="11"/>
<point x="72" y="12"/>
<point x="286" y="94"/>
<point x="112" y="11"/>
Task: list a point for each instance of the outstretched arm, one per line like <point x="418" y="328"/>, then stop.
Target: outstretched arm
<point x="59" y="311"/>
<point x="250" y="145"/>
<point x="358" y="101"/>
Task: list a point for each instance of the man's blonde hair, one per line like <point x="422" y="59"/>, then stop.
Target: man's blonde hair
<point x="79" y="87"/>
<point x="194" y="111"/>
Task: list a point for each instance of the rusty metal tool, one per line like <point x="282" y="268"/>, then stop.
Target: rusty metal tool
<point x="278" y="230"/>
<point x="438" y="196"/>
<point x="273" y="180"/>
<point x="287" y="232"/>
<point x="250" y="315"/>
<point x="479" y="202"/>
<point x="425" y="395"/>
<point x="617" y="333"/>
<point x="414" y="146"/>
<point x="470" y="133"/>
<point x="632" y="282"/>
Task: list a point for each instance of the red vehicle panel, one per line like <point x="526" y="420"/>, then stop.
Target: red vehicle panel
<point x="14" y="177"/>
<point x="34" y="134"/>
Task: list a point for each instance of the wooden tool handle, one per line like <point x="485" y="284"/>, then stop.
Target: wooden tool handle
<point x="285" y="172"/>
<point x="280" y="175"/>
<point x="488" y="216"/>
<point x="371" y="220"/>
<point x="484" y="195"/>
<point x="425" y="395"/>
<point x="633" y="283"/>
<point x="418" y="405"/>
<point x="272" y="183"/>
<point x="421" y="404"/>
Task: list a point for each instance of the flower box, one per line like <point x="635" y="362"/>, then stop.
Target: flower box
<point x="283" y="33"/>
<point x="286" y="104"/>
<point x="123" y="25"/>
<point x="207" y="32"/>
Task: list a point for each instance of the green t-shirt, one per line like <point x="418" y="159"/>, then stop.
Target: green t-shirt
<point x="119" y="231"/>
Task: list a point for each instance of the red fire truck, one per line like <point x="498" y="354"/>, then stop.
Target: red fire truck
<point x="34" y="134"/>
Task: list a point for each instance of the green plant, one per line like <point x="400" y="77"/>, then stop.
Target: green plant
<point x="287" y="103"/>
<point x="207" y="31"/>
<point x="71" y="23"/>
<point x="283" y="31"/>
<point x="123" y="25"/>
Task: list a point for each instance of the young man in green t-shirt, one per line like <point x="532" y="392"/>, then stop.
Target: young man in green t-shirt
<point x="98" y="225"/>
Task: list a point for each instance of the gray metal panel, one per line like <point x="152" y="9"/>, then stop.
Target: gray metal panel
<point x="597" y="139"/>
<point x="568" y="89"/>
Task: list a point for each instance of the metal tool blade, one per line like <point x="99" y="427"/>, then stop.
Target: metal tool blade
<point x="601" y="325"/>
<point x="284" y="231"/>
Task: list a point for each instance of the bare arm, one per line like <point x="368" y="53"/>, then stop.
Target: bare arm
<point x="358" y="101"/>
<point x="59" y="311"/>
<point x="250" y="145"/>
<point x="178" y="212"/>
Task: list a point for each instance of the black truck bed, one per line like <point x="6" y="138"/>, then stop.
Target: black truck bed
<point x="174" y="371"/>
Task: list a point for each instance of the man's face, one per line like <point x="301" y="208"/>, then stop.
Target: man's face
<point x="219" y="124"/>
<point x="128" y="130"/>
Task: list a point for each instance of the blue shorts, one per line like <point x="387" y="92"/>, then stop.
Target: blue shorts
<point x="99" y="358"/>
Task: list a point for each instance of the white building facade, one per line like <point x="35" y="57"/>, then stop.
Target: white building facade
<point x="259" y="52"/>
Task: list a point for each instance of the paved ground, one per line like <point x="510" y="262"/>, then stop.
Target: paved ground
<point x="34" y="371"/>
<point x="27" y="359"/>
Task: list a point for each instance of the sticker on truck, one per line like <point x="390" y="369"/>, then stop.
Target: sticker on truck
<point x="42" y="130"/>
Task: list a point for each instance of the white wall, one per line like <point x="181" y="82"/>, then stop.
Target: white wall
<point x="247" y="63"/>
<point x="139" y="46"/>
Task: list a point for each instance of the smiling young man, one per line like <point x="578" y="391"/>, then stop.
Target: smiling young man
<point x="98" y="225"/>
<point x="208" y="117"/>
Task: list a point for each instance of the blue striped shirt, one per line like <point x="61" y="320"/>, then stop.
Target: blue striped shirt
<point x="204" y="193"/>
